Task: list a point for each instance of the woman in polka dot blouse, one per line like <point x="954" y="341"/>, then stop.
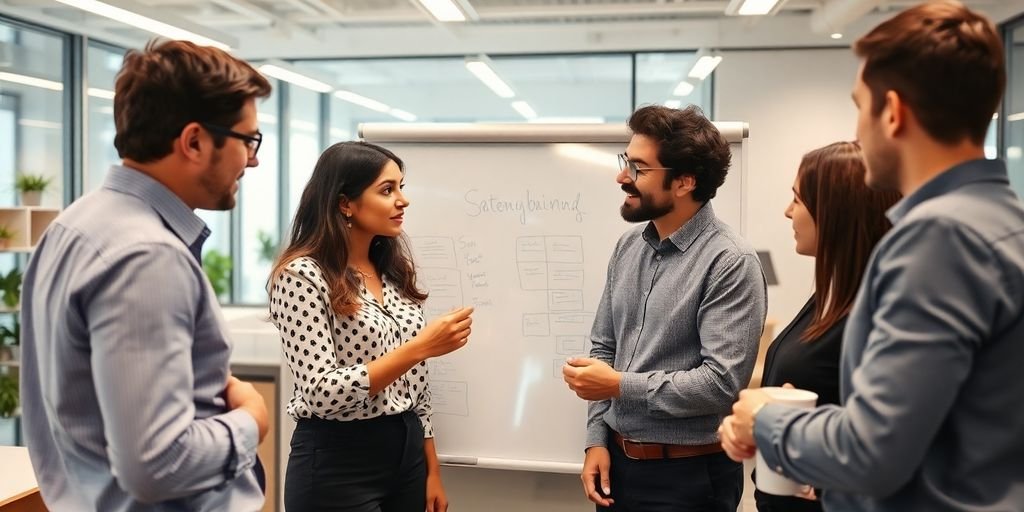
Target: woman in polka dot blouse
<point x="343" y="295"/>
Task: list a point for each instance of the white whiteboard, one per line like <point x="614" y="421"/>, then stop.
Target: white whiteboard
<point x="519" y="221"/>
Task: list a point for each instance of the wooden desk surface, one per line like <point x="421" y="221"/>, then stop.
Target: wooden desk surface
<point x="16" y="477"/>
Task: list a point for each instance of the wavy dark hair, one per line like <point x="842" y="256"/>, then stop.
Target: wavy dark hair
<point x="688" y="143"/>
<point x="850" y="219"/>
<point x="320" y="231"/>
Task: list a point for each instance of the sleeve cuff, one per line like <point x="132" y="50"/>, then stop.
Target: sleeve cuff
<point x="245" y="436"/>
<point x="633" y="386"/>
<point x="769" y="425"/>
<point x="597" y="436"/>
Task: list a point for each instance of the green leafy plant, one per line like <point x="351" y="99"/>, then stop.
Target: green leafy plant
<point x="10" y="335"/>
<point x="32" y="182"/>
<point x="217" y="266"/>
<point x="10" y="288"/>
<point x="8" y="396"/>
<point x="6" y="234"/>
<point x="268" y="248"/>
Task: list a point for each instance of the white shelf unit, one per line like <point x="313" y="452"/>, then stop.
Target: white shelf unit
<point x="27" y="223"/>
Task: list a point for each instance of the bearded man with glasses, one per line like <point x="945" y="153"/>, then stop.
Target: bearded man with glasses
<point x="677" y="330"/>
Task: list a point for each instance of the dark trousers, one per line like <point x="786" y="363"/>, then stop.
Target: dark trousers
<point x="374" y="465"/>
<point x="705" y="483"/>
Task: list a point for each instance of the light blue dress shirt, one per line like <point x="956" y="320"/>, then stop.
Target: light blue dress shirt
<point x="125" y="360"/>
<point x="932" y="361"/>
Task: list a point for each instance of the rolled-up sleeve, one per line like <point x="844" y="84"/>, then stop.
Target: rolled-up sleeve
<point x="934" y="290"/>
<point x="730" y="321"/>
<point x="144" y="335"/>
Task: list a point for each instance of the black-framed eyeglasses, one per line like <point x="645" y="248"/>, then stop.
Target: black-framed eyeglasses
<point x="634" y="169"/>
<point x="252" y="142"/>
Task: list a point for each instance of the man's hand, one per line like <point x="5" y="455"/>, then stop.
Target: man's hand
<point x="737" y="430"/>
<point x="596" y="468"/>
<point x="591" y="379"/>
<point x="242" y="395"/>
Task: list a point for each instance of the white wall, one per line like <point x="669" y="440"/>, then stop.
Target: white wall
<point x="795" y="101"/>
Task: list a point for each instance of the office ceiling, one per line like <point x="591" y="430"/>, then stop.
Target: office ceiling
<point x="326" y="28"/>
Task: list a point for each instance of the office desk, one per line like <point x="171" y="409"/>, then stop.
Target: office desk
<point x="19" y="491"/>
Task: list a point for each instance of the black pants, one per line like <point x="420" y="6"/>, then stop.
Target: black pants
<point x="705" y="483"/>
<point x="374" y="465"/>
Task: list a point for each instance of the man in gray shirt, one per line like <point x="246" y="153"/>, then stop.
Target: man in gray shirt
<point x="128" y="401"/>
<point x="676" y="333"/>
<point x="930" y="374"/>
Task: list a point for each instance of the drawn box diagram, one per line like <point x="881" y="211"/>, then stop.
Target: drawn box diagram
<point x="564" y="249"/>
<point x="449" y="397"/>
<point x="571" y="345"/>
<point x="434" y="251"/>
<point x="556" y="368"/>
<point x="564" y="276"/>
<point x="531" y="248"/>
<point x="533" y="275"/>
<point x="571" y="324"/>
<point x="439" y="368"/>
<point x="565" y="300"/>
<point x="445" y="287"/>
<point x="536" y="324"/>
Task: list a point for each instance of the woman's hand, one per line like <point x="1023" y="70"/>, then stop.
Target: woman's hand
<point x="446" y="333"/>
<point x="437" y="501"/>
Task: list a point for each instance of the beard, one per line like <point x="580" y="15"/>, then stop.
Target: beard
<point x="647" y="210"/>
<point x="883" y="165"/>
<point x="223" y="196"/>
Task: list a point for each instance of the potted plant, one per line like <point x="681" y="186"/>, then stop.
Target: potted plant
<point x="31" y="187"/>
<point x="10" y="349"/>
<point x="5" y="238"/>
<point x="8" y="396"/>
<point x="10" y="288"/>
<point x="217" y="266"/>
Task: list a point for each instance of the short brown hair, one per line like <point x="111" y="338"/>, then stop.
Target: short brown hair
<point x="172" y="83"/>
<point x="945" y="60"/>
<point x="688" y="143"/>
<point x="850" y="220"/>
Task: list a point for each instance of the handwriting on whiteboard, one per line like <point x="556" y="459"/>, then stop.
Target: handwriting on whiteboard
<point x="480" y="203"/>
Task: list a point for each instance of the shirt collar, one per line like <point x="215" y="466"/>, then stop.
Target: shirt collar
<point x="178" y="217"/>
<point x="966" y="173"/>
<point x="683" y="237"/>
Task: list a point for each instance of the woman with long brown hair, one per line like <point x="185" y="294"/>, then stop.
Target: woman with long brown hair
<point x="343" y="295"/>
<point x="837" y="220"/>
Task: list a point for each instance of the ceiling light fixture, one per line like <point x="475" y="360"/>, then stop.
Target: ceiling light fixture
<point x="129" y="14"/>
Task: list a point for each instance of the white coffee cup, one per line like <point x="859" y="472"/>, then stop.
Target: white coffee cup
<point x="768" y="480"/>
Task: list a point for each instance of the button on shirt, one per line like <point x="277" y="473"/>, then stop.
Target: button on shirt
<point x="328" y="353"/>
<point x="930" y="375"/>
<point x="125" y="360"/>
<point x="682" y="319"/>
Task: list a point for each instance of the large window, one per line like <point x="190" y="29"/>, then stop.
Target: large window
<point x="102" y="64"/>
<point x="303" y="141"/>
<point x="33" y="87"/>
<point x="259" y="207"/>
<point x="556" y="88"/>
<point x="659" y="77"/>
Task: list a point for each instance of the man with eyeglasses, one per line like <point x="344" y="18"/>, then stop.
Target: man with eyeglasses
<point x="677" y="330"/>
<point x="128" y="401"/>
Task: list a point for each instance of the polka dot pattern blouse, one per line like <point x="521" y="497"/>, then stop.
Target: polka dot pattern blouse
<point x="328" y="353"/>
